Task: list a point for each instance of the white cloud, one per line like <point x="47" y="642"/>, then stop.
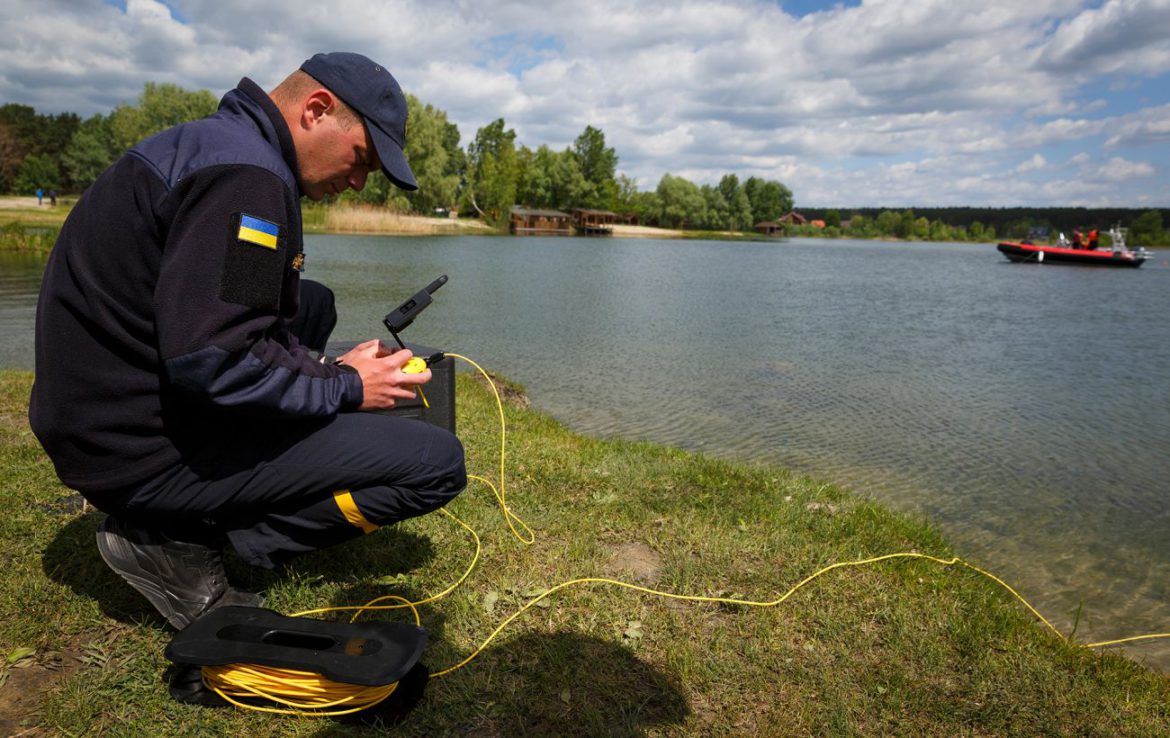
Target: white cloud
<point x="1121" y="35"/>
<point x="1118" y="169"/>
<point x="1144" y="128"/>
<point x="834" y="103"/>
<point x="1031" y="165"/>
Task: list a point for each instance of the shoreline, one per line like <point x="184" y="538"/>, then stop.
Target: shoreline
<point x="343" y="220"/>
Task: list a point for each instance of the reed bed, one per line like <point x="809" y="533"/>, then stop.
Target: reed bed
<point x="342" y="219"/>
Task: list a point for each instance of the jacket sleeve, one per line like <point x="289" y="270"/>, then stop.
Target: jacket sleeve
<point x="226" y="292"/>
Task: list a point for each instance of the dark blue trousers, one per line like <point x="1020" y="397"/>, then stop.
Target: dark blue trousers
<point x="303" y="485"/>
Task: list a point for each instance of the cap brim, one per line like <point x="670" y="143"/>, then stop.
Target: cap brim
<point x="392" y="158"/>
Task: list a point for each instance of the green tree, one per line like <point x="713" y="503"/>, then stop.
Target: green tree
<point x="717" y="211"/>
<point x="1146" y="229"/>
<point x="627" y="193"/>
<point x="570" y="188"/>
<point x="39" y="134"/>
<point x="920" y="229"/>
<point x="12" y="153"/>
<point x="89" y="153"/>
<point x="739" y="207"/>
<point x="551" y="179"/>
<point x="598" y="165"/>
<point x="939" y="231"/>
<point x="527" y="178"/>
<point x="887" y="223"/>
<point x="681" y="203"/>
<point x="26" y="133"/>
<point x="769" y="199"/>
<point x="159" y="107"/>
<point x="492" y="170"/>
<point x="21" y="121"/>
<point x="647" y="207"/>
<point x="428" y="151"/>
<point x="644" y="205"/>
<point x="38" y="170"/>
<point x="832" y="218"/>
<point x="904" y="228"/>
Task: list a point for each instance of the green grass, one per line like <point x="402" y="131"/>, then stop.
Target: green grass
<point x="43" y="216"/>
<point x="27" y="238"/>
<point x="902" y="648"/>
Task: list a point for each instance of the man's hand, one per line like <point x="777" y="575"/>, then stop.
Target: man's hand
<point x="383" y="382"/>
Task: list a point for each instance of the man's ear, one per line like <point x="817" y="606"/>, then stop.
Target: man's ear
<point x="318" y="104"/>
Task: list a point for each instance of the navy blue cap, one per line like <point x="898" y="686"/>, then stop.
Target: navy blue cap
<point x="373" y="94"/>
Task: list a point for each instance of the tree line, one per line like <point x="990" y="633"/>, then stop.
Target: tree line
<point x="65" y="153"/>
<point x="983" y="224"/>
<point x="494" y="172"/>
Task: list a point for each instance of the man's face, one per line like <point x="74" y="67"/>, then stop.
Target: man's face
<point x="332" y="159"/>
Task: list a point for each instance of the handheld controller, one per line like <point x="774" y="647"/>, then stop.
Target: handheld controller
<point x="402" y="316"/>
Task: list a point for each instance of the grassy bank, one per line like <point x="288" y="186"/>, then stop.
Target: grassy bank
<point x="14" y="210"/>
<point x="36" y="239"/>
<point x="902" y="648"/>
<point x="341" y="219"/>
<point x="27" y="228"/>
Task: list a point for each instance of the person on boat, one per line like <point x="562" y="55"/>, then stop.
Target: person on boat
<point x="171" y="390"/>
<point x="1078" y="241"/>
<point x="1093" y="242"/>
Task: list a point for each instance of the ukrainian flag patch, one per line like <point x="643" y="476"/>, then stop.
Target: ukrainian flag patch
<point x="258" y="231"/>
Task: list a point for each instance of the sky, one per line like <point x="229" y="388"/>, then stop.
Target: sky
<point x="896" y="103"/>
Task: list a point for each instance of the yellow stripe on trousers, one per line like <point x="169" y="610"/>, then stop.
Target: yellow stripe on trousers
<point x="351" y="512"/>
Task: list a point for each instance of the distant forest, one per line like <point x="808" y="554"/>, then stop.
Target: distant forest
<point x="1006" y="222"/>
<point x="495" y="172"/>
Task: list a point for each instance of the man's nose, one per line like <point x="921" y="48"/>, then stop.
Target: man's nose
<point x="357" y="180"/>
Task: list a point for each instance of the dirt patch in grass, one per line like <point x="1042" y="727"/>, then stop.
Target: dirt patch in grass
<point x="636" y="561"/>
<point x="27" y="681"/>
<point x="510" y="392"/>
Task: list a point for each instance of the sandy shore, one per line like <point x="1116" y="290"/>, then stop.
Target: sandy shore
<point x="633" y="231"/>
<point x="12" y="203"/>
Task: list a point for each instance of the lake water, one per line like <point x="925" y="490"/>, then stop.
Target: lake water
<point x="1025" y="409"/>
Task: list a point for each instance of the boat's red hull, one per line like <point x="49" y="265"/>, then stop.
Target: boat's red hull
<point x="1028" y="252"/>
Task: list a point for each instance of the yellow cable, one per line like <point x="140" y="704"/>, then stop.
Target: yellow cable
<point x="307" y="693"/>
<point x="301" y="692"/>
<point x="773" y="603"/>
<point x="372" y="604"/>
<point x="509" y="516"/>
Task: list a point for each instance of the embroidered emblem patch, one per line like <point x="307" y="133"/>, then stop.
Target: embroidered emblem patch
<point x="298" y="262"/>
<point x="258" y="231"/>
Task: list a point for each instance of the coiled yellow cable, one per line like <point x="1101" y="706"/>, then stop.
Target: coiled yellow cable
<point x="301" y="692"/>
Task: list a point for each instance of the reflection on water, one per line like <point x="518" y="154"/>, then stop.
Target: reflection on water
<point x="20" y="279"/>
<point x="1023" y="408"/>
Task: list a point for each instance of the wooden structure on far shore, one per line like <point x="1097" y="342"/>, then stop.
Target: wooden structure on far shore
<point x="534" y="222"/>
<point x="594" y="222"/>
<point x="776" y="227"/>
<point x="584" y="222"/>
